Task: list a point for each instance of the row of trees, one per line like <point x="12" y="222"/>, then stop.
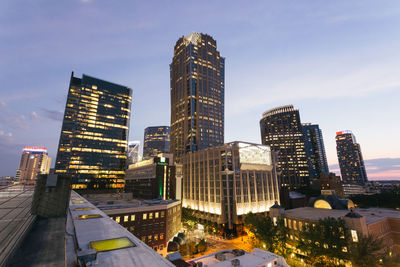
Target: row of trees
<point x="386" y="199"/>
<point x="325" y="243"/>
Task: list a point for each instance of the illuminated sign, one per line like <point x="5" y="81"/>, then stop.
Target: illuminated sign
<point x="343" y="132"/>
<point x="35" y="149"/>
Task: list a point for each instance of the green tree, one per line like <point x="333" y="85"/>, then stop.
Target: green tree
<point x="365" y="252"/>
<point x="281" y="238"/>
<point x="262" y="228"/>
<point x="325" y="242"/>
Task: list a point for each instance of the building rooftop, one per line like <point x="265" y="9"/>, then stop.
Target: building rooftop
<point x="121" y="248"/>
<point x="371" y="215"/>
<point x="226" y="258"/>
<point x="114" y="201"/>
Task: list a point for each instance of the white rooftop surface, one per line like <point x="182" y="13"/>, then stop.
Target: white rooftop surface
<point x="250" y="259"/>
<point x="105" y="228"/>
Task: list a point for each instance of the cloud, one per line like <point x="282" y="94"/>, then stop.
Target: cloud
<point x="33" y="115"/>
<point x="55" y="115"/>
<point x="378" y="169"/>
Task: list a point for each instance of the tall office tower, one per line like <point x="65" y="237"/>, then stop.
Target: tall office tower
<point x="315" y="150"/>
<point x="93" y="142"/>
<point x="34" y="161"/>
<point x="133" y="152"/>
<point x="350" y="158"/>
<point x="222" y="184"/>
<point x="156" y="141"/>
<point x="281" y="129"/>
<point x="197" y="95"/>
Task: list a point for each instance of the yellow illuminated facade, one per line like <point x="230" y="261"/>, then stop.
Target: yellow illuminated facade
<point x="224" y="183"/>
<point x="197" y="95"/>
<point x="93" y="141"/>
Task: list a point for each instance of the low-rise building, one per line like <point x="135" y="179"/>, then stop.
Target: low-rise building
<point x="381" y="223"/>
<point x="242" y="258"/>
<point x="155" y="222"/>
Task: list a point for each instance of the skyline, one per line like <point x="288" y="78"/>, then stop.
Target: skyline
<point x="335" y="62"/>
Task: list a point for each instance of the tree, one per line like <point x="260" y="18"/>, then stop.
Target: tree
<point x="202" y="245"/>
<point x="325" y="242"/>
<point x="281" y="238"/>
<point x="262" y="228"/>
<point x="365" y="252"/>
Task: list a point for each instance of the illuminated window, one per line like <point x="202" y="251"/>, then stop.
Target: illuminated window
<point x="118" y="219"/>
<point x="133" y="218"/>
<point x="144" y="216"/>
<point x="162" y="214"/>
<point x="155" y="237"/>
<point x="126" y="218"/>
<point x="111" y="244"/>
<point x="156" y="215"/>
<point x="150" y="215"/>
<point x="161" y="236"/>
<point x="143" y="238"/>
<point x="354" y="235"/>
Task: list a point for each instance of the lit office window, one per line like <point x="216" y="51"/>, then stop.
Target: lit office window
<point x="126" y="218"/>
<point x="354" y="235"/>
<point x="133" y="218"/>
<point x="118" y="219"/>
<point x="144" y="216"/>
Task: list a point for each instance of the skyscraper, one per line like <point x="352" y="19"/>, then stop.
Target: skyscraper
<point x="315" y="150"/>
<point x="281" y="129"/>
<point x="350" y="158"/>
<point x="156" y="141"/>
<point x="93" y="142"/>
<point x="197" y="95"/>
<point x="34" y="161"/>
<point x="133" y="152"/>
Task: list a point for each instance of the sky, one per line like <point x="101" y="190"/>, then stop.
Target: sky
<point x="338" y="62"/>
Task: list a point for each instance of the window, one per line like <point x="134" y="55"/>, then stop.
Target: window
<point x="156" y="215"/>
<point x="143" y="238"/>
<point x="155" y="237"/>
<point x="295" y="225"/>
<point x="118" y="219"/>
<point x="290" y="223"/>
<point x="301" y="226"/>
<point x="126" y="218"/>
<point x="161" y="247"/>
<point x="149" y="238"/>
<point x="144" y="216"/>
<point x="150" y="215"/>
<point x="133" y="218"/>
<point x="285" y="222"/>
<point x="131" y="228"/>
<point x="162" y="214"/>
<point x="161" y="236"/>
<point x="354" y="235"/>
<point x="275" y="221"/>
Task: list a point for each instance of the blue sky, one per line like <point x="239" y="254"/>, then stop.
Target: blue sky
<point x="337" y="61"/>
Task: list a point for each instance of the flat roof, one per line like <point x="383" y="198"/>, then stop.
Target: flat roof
<point x="110" y="203"/>
<point x="248" y="259"/>
<point x="104" y="228"/>
<point x="371" y="215"/>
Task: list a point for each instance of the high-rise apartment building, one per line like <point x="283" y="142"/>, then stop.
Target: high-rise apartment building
<point x="94" y="136"/>
<point x="222" y="184"/>
<point x="34" y="161"/>
<point x="350" y="158"/>
<point x="315" y="150"/>
<point x="133" y="152"/>
<point x="281" y="129"/>
<point x="197" y="95"/>
<point x="156" y="141"/>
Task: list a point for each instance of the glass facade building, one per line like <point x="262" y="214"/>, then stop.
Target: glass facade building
<point x="93" y="142"/>
<point x="315" y="150"/>
<point x="281" y="129"/>
<point x="224" y="183"/>
<point x="156" y="141"/>
<point x="133" y="152"/>
<point x="350" y="158"/>
<point x="197" y="95"/>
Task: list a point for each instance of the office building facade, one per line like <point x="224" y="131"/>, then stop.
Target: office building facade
<point x="152" y="179"/>
<point x="350" y="158"/>
<point x="281" y="129"/>
<point x="94" y="136"/>
<point x="315" y="150"/>
<point x="34" y="161"/>
<point x="197" y="95"/>
<point x="156" y="141"/>
<point x="222" y="184"/>
<point x="133" y="152"/>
